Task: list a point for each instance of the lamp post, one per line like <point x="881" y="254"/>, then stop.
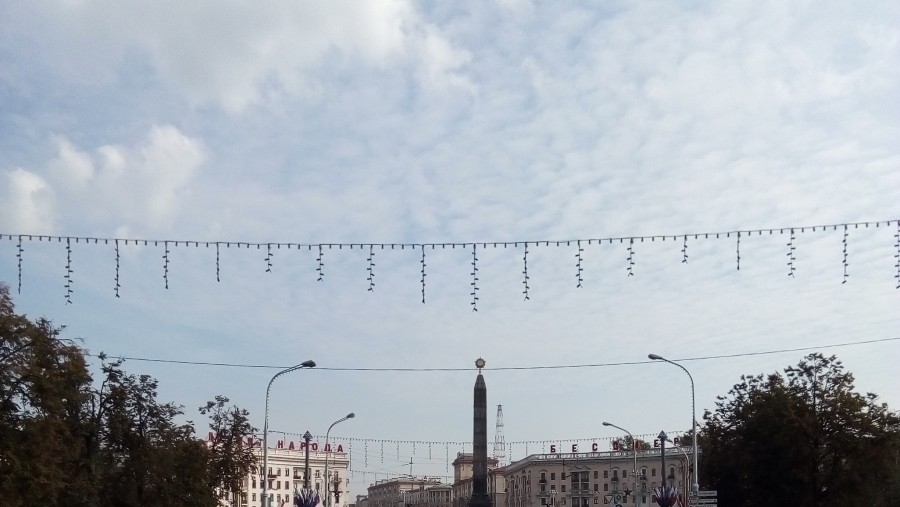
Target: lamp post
<point x="634" y="451"/>
<point x="695" y="487"/>
<point x="351" y="415"/>
<point x="304" y="364"/>
<point x="306" y="438"/>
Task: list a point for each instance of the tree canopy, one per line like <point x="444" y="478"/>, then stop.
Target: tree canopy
<point x="68" y="440"/>
<point x="802" y="437"/>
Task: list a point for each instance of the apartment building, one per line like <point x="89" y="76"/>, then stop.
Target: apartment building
<point x="594" y="478"/>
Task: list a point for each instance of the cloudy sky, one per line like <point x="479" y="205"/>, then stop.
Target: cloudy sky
<point x="286" y="125"/>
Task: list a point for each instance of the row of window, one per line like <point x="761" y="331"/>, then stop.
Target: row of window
<point x="583" y="476"/>
<point x="298" y="471"/>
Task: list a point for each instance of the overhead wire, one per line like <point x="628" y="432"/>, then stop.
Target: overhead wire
<point x="510" y="368"/>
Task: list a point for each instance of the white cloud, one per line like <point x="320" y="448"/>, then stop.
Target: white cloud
<point x="144" y="186"/>
<point x="237" y="54"/>
<point x="28" y="205"/>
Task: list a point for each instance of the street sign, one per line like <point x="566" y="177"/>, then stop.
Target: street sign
<point x="607" y="499"/>
<point x="711" y="492"/>
<point x="706" y="502"/>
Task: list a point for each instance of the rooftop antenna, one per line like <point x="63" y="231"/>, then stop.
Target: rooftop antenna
<point x="499" y="440"/>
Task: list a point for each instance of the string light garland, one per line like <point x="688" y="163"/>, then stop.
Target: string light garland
<point x="844" y="241"/>
<point x="423" y="274"/>
<point x="474" y="282"/>
<point x="167" y="244"/>
<point x="790" y="255"/>
<point x="578" y="269"/>
<point x="525" y="272"/>
<point x="630" y="256"/>
<point x="897" y="255"/>
<point x="19" y="256"/>
<point x="371" y="268"/>
<point x="321" y="266"/>
<point x="217" y="263"/>
<point x="405" y="450"/>
<point x="117" y="269"/>
<point x="166" y="263"/>
<point x="69" y="271"/>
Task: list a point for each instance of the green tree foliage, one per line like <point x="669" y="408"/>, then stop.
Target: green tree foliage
<point x="233" y="455"/>
<point x="43" y="387"/>
<point x="625" y="444"/>
<point x="66" y="440"/>
<point x="802" y="438"/>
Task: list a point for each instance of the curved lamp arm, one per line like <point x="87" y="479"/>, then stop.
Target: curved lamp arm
<point x="696" y="485"/>
<point x="305" y="364"/>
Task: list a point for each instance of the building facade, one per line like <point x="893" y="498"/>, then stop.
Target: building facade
<point x="408" y="491"/>
<point x="464" y="470"/>
<point x="286" y="474"/>
<point x="594" y="478"/>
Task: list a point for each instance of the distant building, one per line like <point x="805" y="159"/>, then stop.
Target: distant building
<point x="403" y="491"/>
<point x="463" y="470"/>
<point x="593" y="478"/>
<point x="286" y="473"/>
<point x="435" y="495"/>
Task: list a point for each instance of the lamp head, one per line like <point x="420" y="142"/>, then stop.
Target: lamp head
<point x="654" y="357"/>
<point x="308" y="364"/>
<point x="351" y="415"/>
<point x="605" y="423"/>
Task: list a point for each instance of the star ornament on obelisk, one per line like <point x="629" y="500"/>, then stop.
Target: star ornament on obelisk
<point x="480" y="497"/>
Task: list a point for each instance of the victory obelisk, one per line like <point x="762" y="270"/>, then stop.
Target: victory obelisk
<point x="480" y="497"/>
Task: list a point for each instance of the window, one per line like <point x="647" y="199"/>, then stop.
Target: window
<point x="624" y="473"/>
<point x="552" y="476"/>
<point x="606" y="474"/>
<point x="563" y="501"/>
<point x="563" y="488"/>
<point x="580" y="481"/>
<point x="653" y="472"/>
<point x="543" y="501"/>
<point x="543" y="488"/>
<point x="544" y="476"/>
<point x="596" y="473"/>
<point x="605" y="486"/>
<point x="596" y="500"/>
<point x="595" y="486"/>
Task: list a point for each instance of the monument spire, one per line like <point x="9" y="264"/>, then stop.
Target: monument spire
<point x="480" y="497"/>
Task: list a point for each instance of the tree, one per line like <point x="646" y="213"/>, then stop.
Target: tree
<point x="801" y="438"/>
<point x="43" y="385"/>
<point x="232" y="454"/>
<point x="625" y="443"/>
<point x="65" y="441"/>
<point x="148" y="459"/>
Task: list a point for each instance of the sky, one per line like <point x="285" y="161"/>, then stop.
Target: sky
<point x="520" y="127"/>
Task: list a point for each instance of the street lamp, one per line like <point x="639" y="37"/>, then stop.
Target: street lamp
<point x="695" y="487"/>
<point x="351" y="415"/>
<point x="634" y="449"/>
<point x="304" y="364"/>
